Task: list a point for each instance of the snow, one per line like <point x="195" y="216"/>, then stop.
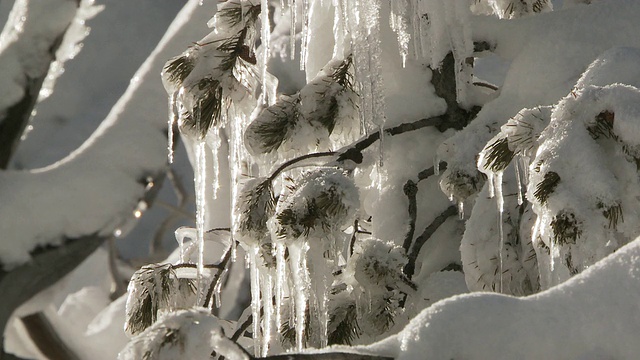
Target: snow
<point x="567" y="54"/>
<point x="121" y="152"/>
<point x="24" y="46"/>
<point x="585" y="318"/>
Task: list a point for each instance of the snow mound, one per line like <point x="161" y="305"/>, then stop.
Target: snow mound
<point x="587" y="317"/>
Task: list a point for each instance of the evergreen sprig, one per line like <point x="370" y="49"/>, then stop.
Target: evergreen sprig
<point x="317" y="213"/>
<point x="603" y="126"/>
<point x="566" y="228"/>
<point x="328" y="108"/>
<point x="343" y="325"/>
<point x="179" y="68"/>
<point x="257" y="203"/>
<point x="546" y="187"/>
<point x="273" y="126"/>
<point x="234" y="15"/>
<point x="155" y="283"/>
<point x="498" y="155"/>
<point x="207" y="110"/>
<point x="613" y="213"/>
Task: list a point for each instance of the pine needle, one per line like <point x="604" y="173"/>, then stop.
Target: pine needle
<point x="546" y="187"/>
<point x="498" y="155"/>
<point x="566" y="228"/>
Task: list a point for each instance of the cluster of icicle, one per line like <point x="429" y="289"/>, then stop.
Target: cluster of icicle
<point x="283" y="256"/>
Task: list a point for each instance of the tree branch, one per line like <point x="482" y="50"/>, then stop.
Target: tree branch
<point x="16" y="117"/>
<point x="409" y="269"/>
<point x="46" y="339"/>
<point x="411" y="190"/>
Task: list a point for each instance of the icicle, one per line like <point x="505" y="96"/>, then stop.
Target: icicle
<point x="181" y="233"/>
<point x="457" y="13"/>
<point x="339" y="29"/>
<point x="399" y="24"/>
<point x="300" y="274"/>
<point x="321" y="275"/>
<point x="292" y="29"/>
<point x="214" y="142"/>
<point x="436" y="165"/>
<point x="461" y="210"/>
<point x="200" y="183"/>
<point x="281" y="281"/>
<point x="266" y="40"/>
<point x="218" y="287"/>
<point x="492" y="190"/>
<point x="173" y="119"/>
<point x="415" y="28"/>
<point x="304" y="43"/>
<point x="255" y="298"/>
<point x="500" y="206"/>
<point x="235" y="151"/>
<point x="267" y="306"/>
<point x="518" y="182"/>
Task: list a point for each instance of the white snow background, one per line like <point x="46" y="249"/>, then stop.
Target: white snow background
<point x="595" y="315"/>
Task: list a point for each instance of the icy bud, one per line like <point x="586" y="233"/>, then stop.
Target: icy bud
<point x="322" y="202"/>
<point x="459" y="185"/>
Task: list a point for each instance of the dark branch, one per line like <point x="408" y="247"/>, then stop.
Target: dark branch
<point x="411" y="190"/>
<point x="15" y="118"/>
<point x="409" y="269"/>
<point x="46" y="339"/>
<point x="214" y="282"/>
<point x="291" y="162"/>
<point x="353" y="152"/>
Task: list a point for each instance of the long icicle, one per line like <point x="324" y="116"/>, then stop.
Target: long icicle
<point x="265" y="37"/>
<point x="500" y="207"/>
<point x="173" y="119"/>
<point x="266" y="283"/>
<point x="292" y="30"/>
<point x="200" y="183"/>
<point x="299" y="271"/>
<point x="255" y="298"/>
<point x="281" y="282"/>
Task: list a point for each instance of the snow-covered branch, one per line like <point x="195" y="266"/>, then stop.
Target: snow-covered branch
<point x="37" y="39"/>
